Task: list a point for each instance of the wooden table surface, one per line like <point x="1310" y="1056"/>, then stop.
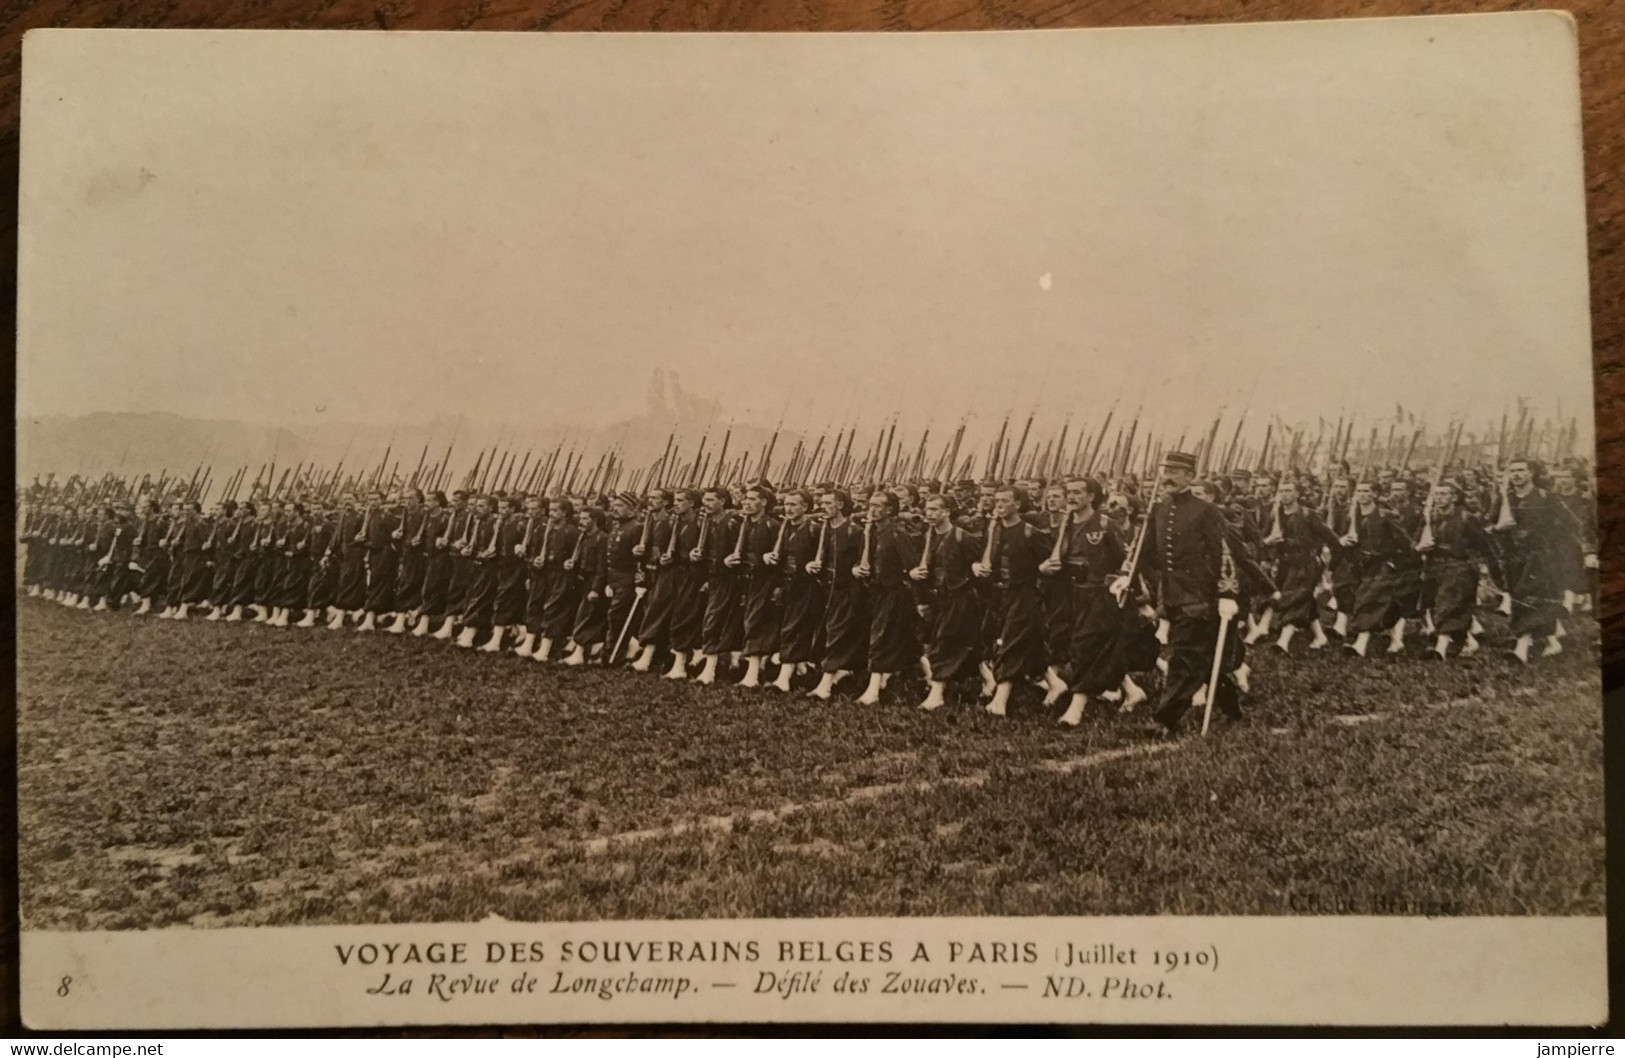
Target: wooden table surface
<point x="1602" y="55"/>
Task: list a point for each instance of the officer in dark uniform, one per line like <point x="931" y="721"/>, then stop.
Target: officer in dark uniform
<point x="1195" y="577"/>
<point x="622" y="575"/>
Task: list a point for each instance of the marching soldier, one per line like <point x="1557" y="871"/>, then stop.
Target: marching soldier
<point x="1009" y="564"/>
<point x="802" y="600"/>
<point x="1295" y="540"/>
<point x="522" y="583"/>
<point x="113" y="558"/>
<point x="948" y="601"/>
<point x="555" y="567"/>
<point x="293" y="586"/>
<point x="480" y="546"/>
<point x="718" y="559"/>
<point x="846" y="611"/>
<point x="623" y="576"/>
<point x="1055" y="594"/>
<point x="243" y="544"/>
<point x="1088" y="554"/>
<point x="1344" y="572"/>
<point x="1454" y="544"/>
<point x="654" y="542"/>
<point x="269" y="567"/>
<point x="1577" y="589"/>
<point x="377" y="536"/>
<point x="319" y="583"/>
<point x="1195" y="581"/>
<point x="685" y="576"/>
<point x="1538" y="531"/>
<point x="435" y="548"/>
<point x="225" y="560"/>
<point x="1380" y="552"/>
<point x="412" y="558"/>
<point x="760" y="536"/>
<point x="889" y="552"/>
<point x="350" y="596"/>
<point x="590" y="566"/>
<point x="452" y="543"/>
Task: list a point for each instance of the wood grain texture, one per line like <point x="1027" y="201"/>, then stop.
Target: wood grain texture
<point x="1602" y="47"/>
<point x="1602" y="52"/>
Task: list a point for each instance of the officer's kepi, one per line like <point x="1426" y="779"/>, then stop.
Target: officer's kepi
<point x="1179" y="461"/>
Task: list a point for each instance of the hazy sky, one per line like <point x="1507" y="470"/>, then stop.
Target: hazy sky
<point x="1309" y="218"/>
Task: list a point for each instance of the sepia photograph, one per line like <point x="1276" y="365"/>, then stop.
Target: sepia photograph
<point x="571" y="479"/>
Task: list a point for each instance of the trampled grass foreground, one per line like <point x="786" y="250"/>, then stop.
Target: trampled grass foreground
<point x="188" y="773"/>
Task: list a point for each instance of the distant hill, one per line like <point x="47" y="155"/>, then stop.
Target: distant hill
<point x="157" y="442"/>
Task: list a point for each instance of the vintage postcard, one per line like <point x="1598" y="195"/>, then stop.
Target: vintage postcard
<point x="1077" y="526"/>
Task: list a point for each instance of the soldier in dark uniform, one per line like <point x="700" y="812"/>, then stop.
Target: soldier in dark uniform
<point x="142" y="545"/>
<point x="623" y="577"/>
<point x="1538" y="532"/>
<point x="654" y="540"/>
<point x="319" y="556"/>
<point x="351" y="547"/>
<point x="947" y="600"/>
<point x="685" y="576"/>
<point x="288" y="518"/>
<point x="1380" y="552"/>
<point x="244" y="544"/>
<point x="760" y="582"/>
<point x="965" y="494"/>
<point x="453" y="544"/>
<point x="112" y="557"/>
<point x="1344" y="574"/>
<point x="1089" y="555"/>
<point x="1259" y="506"/>
<point x="590" y="566"/>
<point x="1013" y="552"/>
<point x="910" y="516"/>
<point x="175" y="586"/>
<point x="521" y="583"/>
<point x="803" y="601"/>
<point x="27" y="538"/>
<point x="379" y="526"/>
<point x="51" y="537"/>
<point x="1296" y="540"/>
<point x="436" y="551"/>
<point x="722" y="628"/>
<point x="197" y="577"/>
<point x="1195" y="580"/>
<point x="1453" y="545"/>
<point x="1577" y="589"/>
<point x="563" y="585"/>
<point x="269" y="562"/>
<point x="846" y="610"/>
<point x="412" y="553"/>
<point x="1055" y="593"/>
<point x="225" y="561"/>
<point x="1407" y="514"/>
<point x="883" y="568"/>
<point x="294" y="590"/>
<point x="481" y="543"/>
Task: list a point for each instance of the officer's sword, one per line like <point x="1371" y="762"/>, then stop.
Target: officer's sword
<point x="637" y="596"/>
<point x="1228" y="582"/>
<point x="1213" y="677"/>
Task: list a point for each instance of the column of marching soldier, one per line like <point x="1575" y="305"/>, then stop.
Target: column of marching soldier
<point x="1076" y="586"/>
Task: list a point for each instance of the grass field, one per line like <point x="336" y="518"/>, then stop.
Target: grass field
<point x="203" y="774"/>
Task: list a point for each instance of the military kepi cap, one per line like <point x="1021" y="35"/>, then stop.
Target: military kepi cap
<point x="1179" y="461"/>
